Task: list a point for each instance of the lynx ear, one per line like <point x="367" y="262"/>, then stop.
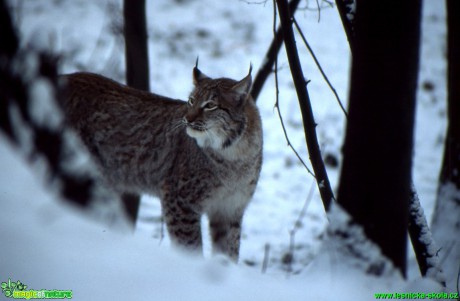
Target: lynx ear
<point x="243" y="86"/>
<point x="197" y="74"/>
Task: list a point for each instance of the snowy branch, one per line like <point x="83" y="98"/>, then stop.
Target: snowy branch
<point x="425" y="249"/>
<point x="326" y="79"/>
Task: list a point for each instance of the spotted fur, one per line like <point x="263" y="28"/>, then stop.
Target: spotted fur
<point x="199" y="157"/>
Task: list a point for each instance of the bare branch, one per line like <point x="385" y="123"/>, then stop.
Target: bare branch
<point x="319" y="67"/>
<point x="277" y="99"/>
<point x="254" y="2"/>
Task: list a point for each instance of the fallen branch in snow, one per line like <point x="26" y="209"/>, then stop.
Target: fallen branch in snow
<point x="425" y="249"/>
<point x="314" y="151"/>
<point x="270" y="57"/>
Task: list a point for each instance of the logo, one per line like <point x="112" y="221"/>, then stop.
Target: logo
<point x="17" y="290"/>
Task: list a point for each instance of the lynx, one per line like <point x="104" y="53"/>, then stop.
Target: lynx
<point x="199" y="157"/>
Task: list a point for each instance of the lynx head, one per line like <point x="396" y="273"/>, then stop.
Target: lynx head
<point x="216" y="115"/>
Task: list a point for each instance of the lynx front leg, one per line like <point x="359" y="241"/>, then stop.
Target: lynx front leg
<point x="183" y="224"/>
<point x="226" y="234"/>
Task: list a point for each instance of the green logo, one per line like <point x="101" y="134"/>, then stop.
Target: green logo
<point x="17" y="290"/>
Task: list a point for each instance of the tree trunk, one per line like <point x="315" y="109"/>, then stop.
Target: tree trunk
<point x="137" y="70"/>
<point x="376" y="172"/>
<point x="446" y="216"/>
<point x="137" y="61"/>
<point x="347" y="11"/>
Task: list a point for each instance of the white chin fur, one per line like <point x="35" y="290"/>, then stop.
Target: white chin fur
<point x="206" y="138"/>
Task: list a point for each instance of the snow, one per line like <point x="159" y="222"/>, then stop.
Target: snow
<point x="47" y="244"/>
<point x="353" y="248"/>
<point x="445" y="228"/>
<point x="43" y="108"/>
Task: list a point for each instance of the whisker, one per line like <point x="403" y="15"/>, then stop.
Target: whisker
<point x="178" y="123"/>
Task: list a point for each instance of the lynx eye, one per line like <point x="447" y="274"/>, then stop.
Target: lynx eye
<point x="191" y="100"/>
<point x="210" y="106"/>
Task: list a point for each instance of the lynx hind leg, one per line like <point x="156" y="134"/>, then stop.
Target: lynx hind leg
<point x="183" y="224"/>
<point x="226" y="234"/>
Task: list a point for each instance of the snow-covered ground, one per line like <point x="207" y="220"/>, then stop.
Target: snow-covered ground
<point x="47" y="245"/>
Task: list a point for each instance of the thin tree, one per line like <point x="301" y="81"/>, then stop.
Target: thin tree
<point x="136" y="46"/>
<point x="376" y="173"/>
<point x="137" y="69"/>
<point x="306" y="110"/>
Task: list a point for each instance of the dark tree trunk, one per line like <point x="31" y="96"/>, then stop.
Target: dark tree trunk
<point x="137" y="70"/>
<point x="446" y="221"/>
<point x="376" y="173"/>
<point x="9" y="46"/>
<point x="347" y="11"/>
<point x="450" y="171"/>
<point x="137" y="61"/>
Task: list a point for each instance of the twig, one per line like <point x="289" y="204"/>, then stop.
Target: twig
<point x="319" y="11"/>
<point x="266" y="258"/>
<point x="314" y="151"/>
<point x="254" y="2"/>
<point x="162" y="229"/>
<point x="298" y="222"/>
<point x="289" y="257"/>
<point x="277" y="100"/>
<point x="319" y="66"/>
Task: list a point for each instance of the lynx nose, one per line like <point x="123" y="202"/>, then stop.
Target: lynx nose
<point x="191" y="116"/>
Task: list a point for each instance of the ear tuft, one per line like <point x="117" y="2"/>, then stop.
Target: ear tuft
<point x="243" y="86"/>
<point x="197" y="74"/>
